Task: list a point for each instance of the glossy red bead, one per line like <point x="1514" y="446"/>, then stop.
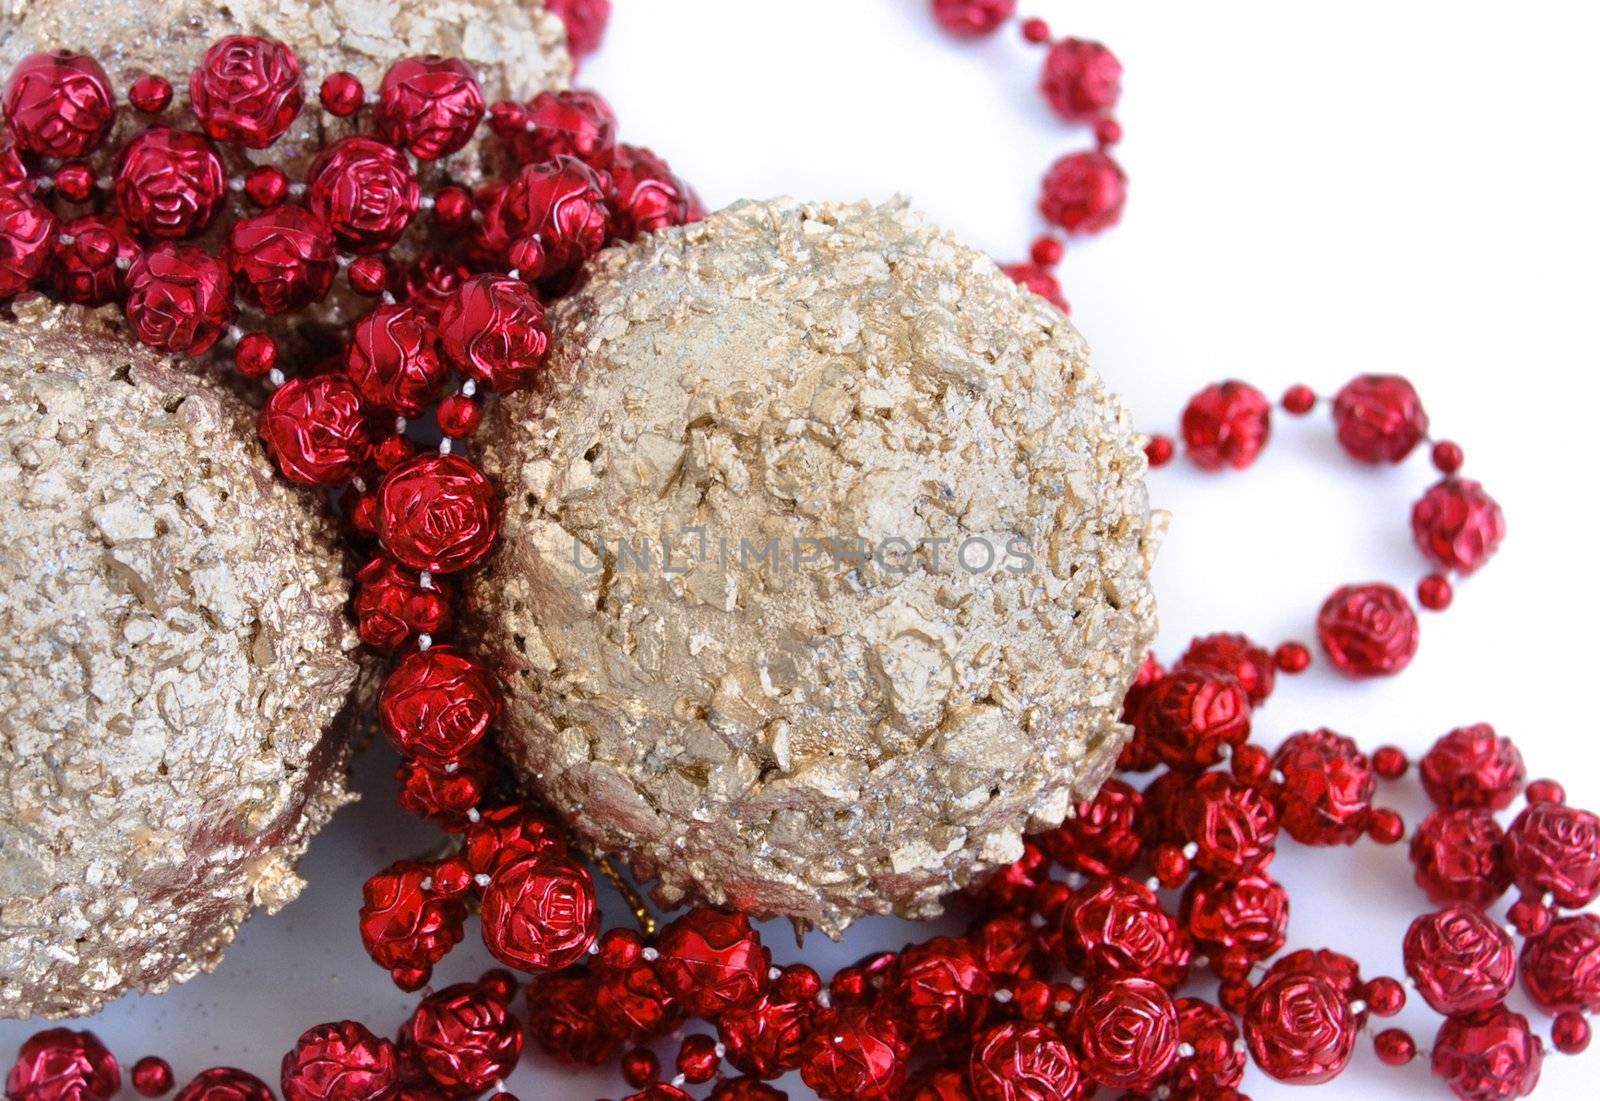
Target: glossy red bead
<point x="59" y="1064"/>
<point x="1299" y="1028"/>
<point x="404" y="923"/>
<point x="1325" y="795"/>
<point x="510" y="834"/>
<point x="1125" y="1033"/>
<point x="585" y="21"/>
<point x="266" y="185"/>
<point x="1249" y="664"/>
<point x="1217" y="1063"/>
<point x="150" y="94"/>
<point x="459" y="416"/>
<point x="1545" y="791"/>
<point x="1472" y="766"/>
<point x="1226" y="424"/>
<point x="224" y="1084"/>
<point x="92" y="270"/>
<point x="540" y="913"/>
<point x="572" y="122"/>
<point x="437" y="703"/>
<point x="1368" y="630"/>
<point x="854" y="1054"/>
<point x="246" y="90"/>
<point x="341" y="1061"/>
<point x="697" y="1058"/>
<point x="1384" y="997"/>
<point x="27" y="242"/>
<point x="341" y="94"/>
<point x="152" y="1077"/>
<point x="1435" y="593"/>
<point x="169" y="183"/>
<point x="1081" y="79"/>
<point x="1570" y="1033"/>
<point x="1299" y="400"/>
<point x="1019" y="1062"/>
<point x="563" y="201"/>
<point x="1379" y="418"/>
<point x="493" y="331"/>
<point x="392" y="606"/>
<point x="938" y="988"/>
<point x="1561" y="965"/>
<point x="1249" y="915"/>
<point x="765" y="1039"/>
<point x="564" y="1022"/>
<point x="59" y="104"/>
<point x="1292" y="658"/>
<point x="444" y="792"/>
<point x="1101" y="837"/>
<point x="1084" y="192"/>
<point x="1459" y="857"/>
<point x="178" y="299"/>
<point x="712" y="960"/>
<point x="74" y="182"/>
<point x="394" y="360"/>
<point x="315" y="429"/>
<point x="1460" y="960"/>
<point x="1233" y="826"/>
<point x="429" y="106"/>
<point x="368" y="275"/>
<point x="646" y="195"/>
<point x="972" y="18"/>
<point x="1395" y="1047"/>
<point x="463" y="1039"/>
<point x="1555" y="849"/>
<point x="1116" y="928"/>
<point x="1042" y="282"/>
<point x="282" y="259"/>
<point x="1490" y="1055"/>
<point x="365" y="190"/>
<point x="1447" y="456"/>
<point x="1190" y="716"/>
<point x="1457" y="525"/>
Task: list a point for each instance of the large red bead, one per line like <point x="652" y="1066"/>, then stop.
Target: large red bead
<point x="1459" y="856"/>
<point x="1249" y="915"/>
<point x="1116" y="928"/>
<point x="58" y="1064"/>
<point x="1235" y="654"/>
<point x="563" y="1021"/>
<point x="437" y="703"/>
<point x="446" y="791"/>
<point x="646" y="195"/>
<point x="634" y="1004"/>
<point x="246" y="90"/>
<point x="403" y="923"/>
<point x="282" y="259"/>
<point x="1457" y="524"/>
<point x="512" y="833"/>
<point x="1379" y="418"/>
<point x="572" y="123"/>
<point x="27" y="242"/>
<point x="1008" y="948"/>
<point x="1561" y="966"/>
<point x="1023" y="1062"/>
<point x="93" y="270"/>
<point x="341" y="1061"/>
<point x="1217" y="1063"/>
<point x="712" y="960"/>
<point x="1325" y="796"/>
<point x="13" y="169"/>
<point x="59" y="104"/>
<point x="392" y="607"/>
<point x="938" y="988"/>
<point x="1226" y="424"/>
<point x="1081" y="79"/>
<point x="224" y="1084"/>
<point x="973" y="18"/>
<point x="765" y="1039"/>
<point x="493" y="330"/>
<point x="1299" y="1028"/>
<point x="1368" y="630"/>
<point x="1233" y="826"/>
<point x="1490" y="1055"/>
<point x="169" y="183"/>
<point x="563" y="201"/>
<point x="854" y="1054"/>
<point x="315" y="429"/>
<point x="1125" y="1033"/>
<point x="438" y="513"/>
<point x="1102" y="836"/>
<point x="179" y="299"/>
<point x="365" y="191"/>
<point x="394" y="360"/>
<point x="1460" y="960"/>
<point x="429" y="105"/>
<point x="1472" y="766"/>
<point x="540" y="914"/>
<point x="586" y="23"/>
<point x="1084" y="192"/>
<point x="1553" y="848"/>
<point x="462" y="1038"/>
<point x="1189" y="715"/>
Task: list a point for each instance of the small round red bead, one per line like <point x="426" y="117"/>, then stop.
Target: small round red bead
<point x="150" y="94"/>
<point x="1158" y="451"/>
<point x="266" y="185"/>
<point x="1447" y="456"/>
<point x="152" y="1075"/>
<point x="1047" y="251"/>
<point x="75" y="182"/>
<point x="1035" y="31"/>
<point x="973" y="18"/>
<point x="1395" y="1047"/>
<point x="698" y="1058"/>
<point x="256" y="355"/>
<point x="1435" y="592"/>
<point x="1390" y="762"/>
<point x="1546" y="791"/>
<point x="1292" y="658"/>
<point x="640" y="1067"/>
<point x="1299" y="400"/>
<point x="1570" y="1034"/>
<point x="1107" y="132"/>
<point x="1386" y="827"/>
<point x="341" y="94"/>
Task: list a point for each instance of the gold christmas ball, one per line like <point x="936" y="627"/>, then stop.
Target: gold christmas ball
<point x="176" y="669"/>
<point x="824" y="567"/>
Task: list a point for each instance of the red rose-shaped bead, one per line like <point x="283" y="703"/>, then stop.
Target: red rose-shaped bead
<point x="937" y="1083"/>
<point x="512" y="833"/>
<point x="403" y="923"/>
<point x="1190" y="714"/>
<point x="225" y="1084"/>
<point x="494" y="331"/>
<point x="438" y="513"/>
<point x="58" y="1064"/>
<point x="634" y="1004"/>
<point x="59" y="104"/>
<point x="1368" y="630"/>
<point x="1299" y="1028"/>
<point x="1233" y="825"/>
<point x="1460" y="960"/>
<point x="1226" y="424"/>
<point x="1217" y="1063"/>
<point x="1125" y="1033"/>
<point x="341" y="1061"/>
<point x="765" y="1039"/>
<point x="1472" y="766"/>
<point x="437" y="703"/>
<point x="712" y="960"/>
<point x="539" y="914"/>
<point x="1490" y="1055"/>
<point x="645" y="193"/>
<point x="13" y="169"/>
<point x="1379" y="418"/>
<point x="563" y="1021"/>
<point x="1007" y="948"/>
<point x="1084" y="192"/>
<point x="394" y="359"/>
<point x="463" y="1039"/>
<point x="1457" y="524"/>
<point x="1114" y="928"/>
<point x="27" y="242"/>
<point x="429" y="105"/>
<point x="572" y="123"/>
<point x="1325" y="797"/>
<point x="169" y="183"/>
<point x="938" y="988"/>
<point x="1249" y="914"/>
<point x="586" y="23"/>
<point x="1102" y="837"/>
<point x="1459" y="856"/>
<point x="282" y="259"/>
<point x="1553" y="848"/>
<point x="444" y="791"/>
<point x="973" y="18"/>
<point x="1249" y="664"/>
<point x="563" y="201"/>
<point x="247" y="90"/>
<point x="1338" y="970"/>
<point x="1081" y="79"/>
<point x="365" y="191"/>
<point x="93" y="270"/>
<point x="854" y="1054"/>
<point x="315" y="429"/>
<point x="392" y="607"/>
<point x="1561" y="966"/>
<point x="1023" y="1062"/>
<point x="179" y="299"/>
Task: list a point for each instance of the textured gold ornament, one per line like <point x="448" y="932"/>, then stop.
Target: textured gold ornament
<point x="176" y="669"/>
<point x="794" y="728"/>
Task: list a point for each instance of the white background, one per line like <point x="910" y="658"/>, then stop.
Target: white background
<point x="1316" y="191"/>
